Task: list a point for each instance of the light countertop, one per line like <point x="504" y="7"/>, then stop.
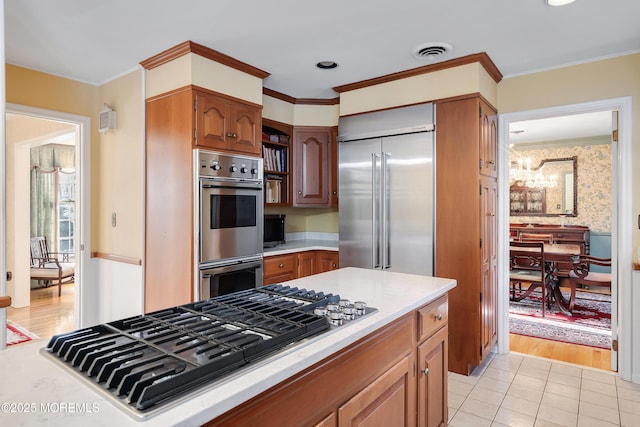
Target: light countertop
<point x="302" y="245"/>
<point x="35" y="390"/>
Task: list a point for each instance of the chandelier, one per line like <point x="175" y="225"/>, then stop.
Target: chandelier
<point x="531" y="178"/>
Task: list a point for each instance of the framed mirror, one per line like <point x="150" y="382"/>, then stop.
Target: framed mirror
<point x="549" y="189"/>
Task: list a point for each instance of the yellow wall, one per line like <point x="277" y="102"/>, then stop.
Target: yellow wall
<point x="116" y="158"/>
<point x="594" y="81"/>
<point x="120" y="172"/>
<point x="197" y="70"/>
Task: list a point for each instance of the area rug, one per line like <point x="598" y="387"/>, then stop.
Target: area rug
<point x="16" y="334"/>
<point x="590" y="324"/>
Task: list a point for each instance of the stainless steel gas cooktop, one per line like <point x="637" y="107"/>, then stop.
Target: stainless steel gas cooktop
<point x="144" y="363"/>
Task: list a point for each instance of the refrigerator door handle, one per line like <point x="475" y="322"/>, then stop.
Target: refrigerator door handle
<point x="386" y="238"/>
<point x="375" y="211"/>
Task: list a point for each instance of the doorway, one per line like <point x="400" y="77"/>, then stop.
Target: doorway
<point x="620" y="227"/>
<point x="47" y="135"/>
<point x="560" y="192"/>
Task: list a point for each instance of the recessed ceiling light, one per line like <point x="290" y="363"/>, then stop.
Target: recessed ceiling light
<point x="326" y="65"/>
<point x="559" y="2"/>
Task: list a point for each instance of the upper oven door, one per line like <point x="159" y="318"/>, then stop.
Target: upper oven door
<point x="231" y="215"/>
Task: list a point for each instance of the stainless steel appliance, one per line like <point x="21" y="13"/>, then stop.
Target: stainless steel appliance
<point x="230" y="276"/>
<point x="230" y="222"/>
<point x="151" y="362"/>
<point x="386" y="176"/>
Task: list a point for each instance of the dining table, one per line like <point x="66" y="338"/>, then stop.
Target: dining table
<point x="557" y="256"/>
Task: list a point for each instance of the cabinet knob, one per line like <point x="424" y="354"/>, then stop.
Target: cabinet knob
<point x="232" y="135"/>
<point x="299" y="192"/>
<point x="281" y="265"/>
<point x="333" y="265"/>
<point x="425" y="371"/>
<point x="438" y="316"/>
<point x="491" y="162"/>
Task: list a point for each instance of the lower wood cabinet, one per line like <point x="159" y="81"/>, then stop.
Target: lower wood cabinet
<point x="306" y="264"/>
<point x="432" y="380"/>
<point x="326" y="261"/>
<point x="280" y="268"/>
<point x="385" y="400"/>
<point x="395" y="376"/>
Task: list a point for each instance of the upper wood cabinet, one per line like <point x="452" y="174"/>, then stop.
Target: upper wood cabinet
<point x="488" y="140"/>
<point x="312" y="166"/>
<point x="223" y="123"/>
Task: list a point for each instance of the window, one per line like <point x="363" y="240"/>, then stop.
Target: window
<point x="66" y="207"/>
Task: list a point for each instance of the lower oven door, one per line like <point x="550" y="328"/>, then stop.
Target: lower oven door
<point x="225" y="278"/>
<point x="231" y="220"/>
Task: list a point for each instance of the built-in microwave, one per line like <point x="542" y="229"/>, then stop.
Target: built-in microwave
<point x="273" y="230"/>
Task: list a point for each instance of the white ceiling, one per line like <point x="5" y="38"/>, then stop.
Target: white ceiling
<point x="95" y="41"/>
<point x="561" y="128"/>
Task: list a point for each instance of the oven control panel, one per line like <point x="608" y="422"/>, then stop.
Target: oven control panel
<point x="229" y="166"/>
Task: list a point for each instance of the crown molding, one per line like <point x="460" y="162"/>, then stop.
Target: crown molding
<point x="481" y="58"/>
<point x="191" y="47"/>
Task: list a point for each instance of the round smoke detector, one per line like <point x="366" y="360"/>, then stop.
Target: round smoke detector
<point x="431" y="50"/>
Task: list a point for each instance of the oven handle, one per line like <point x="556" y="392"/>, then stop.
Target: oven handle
<point x="226" y="268"/>
<point x="257" y="187"/>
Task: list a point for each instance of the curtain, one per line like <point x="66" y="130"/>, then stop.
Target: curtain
<point x="46" y="162"/>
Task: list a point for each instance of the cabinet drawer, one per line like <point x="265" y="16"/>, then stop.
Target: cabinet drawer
<point x="432" y="317"/>
<point x="279" y="264"/>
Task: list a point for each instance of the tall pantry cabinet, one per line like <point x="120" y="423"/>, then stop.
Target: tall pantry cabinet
<point x="466" y="235"/>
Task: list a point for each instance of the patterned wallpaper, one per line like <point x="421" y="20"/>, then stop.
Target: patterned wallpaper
<point x="594" y="184"/>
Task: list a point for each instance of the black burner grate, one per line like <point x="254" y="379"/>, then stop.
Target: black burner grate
<point x="148" y="360"/>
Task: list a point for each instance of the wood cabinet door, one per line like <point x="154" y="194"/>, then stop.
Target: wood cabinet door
<point x="279" y="268"/>
<point x="245" y="129"/>
<point x="212" y="121"/>
<point x="489" y="263"/>
<point x="385" y="402"/>
<point x="311" y="166"/>
<point x="326" y="261"/>
<point x="488" y="140"/>
<point x="432" y="380"/>
<point x="330" y="421"/>
<point x="306" y="264"/>
<point x="333" y="168"/>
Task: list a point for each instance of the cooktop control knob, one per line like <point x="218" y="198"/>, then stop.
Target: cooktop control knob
<point x="215" y="165"/>
<point x="243" y="169"/>
<point x="254" y="171"/>
<point x="233" y="168"/>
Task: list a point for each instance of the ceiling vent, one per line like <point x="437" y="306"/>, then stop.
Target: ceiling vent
<point x="431" y="50"/>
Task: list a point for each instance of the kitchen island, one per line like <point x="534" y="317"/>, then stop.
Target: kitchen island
<point x="36" y="390"/>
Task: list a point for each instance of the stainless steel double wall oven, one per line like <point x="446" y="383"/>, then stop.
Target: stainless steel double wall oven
<point x="230" y="205"/>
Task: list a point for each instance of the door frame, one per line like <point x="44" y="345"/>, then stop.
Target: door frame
<point x="621" y="233"/>
<point x="83" y="222"/>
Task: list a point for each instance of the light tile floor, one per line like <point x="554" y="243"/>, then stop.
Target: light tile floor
<point x="527" y="391"/>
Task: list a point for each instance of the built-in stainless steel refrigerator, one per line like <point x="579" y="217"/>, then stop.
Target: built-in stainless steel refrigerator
<point x="386" y="178"/>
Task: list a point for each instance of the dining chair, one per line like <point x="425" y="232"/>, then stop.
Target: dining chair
<point x="580" y="275"/>
<point x="527" y="265"/>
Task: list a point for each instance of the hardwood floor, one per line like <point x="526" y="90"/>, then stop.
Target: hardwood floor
<point x="48" y="314"/>
<point x="581" y="355"/>
<point x="572" y="353"/>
